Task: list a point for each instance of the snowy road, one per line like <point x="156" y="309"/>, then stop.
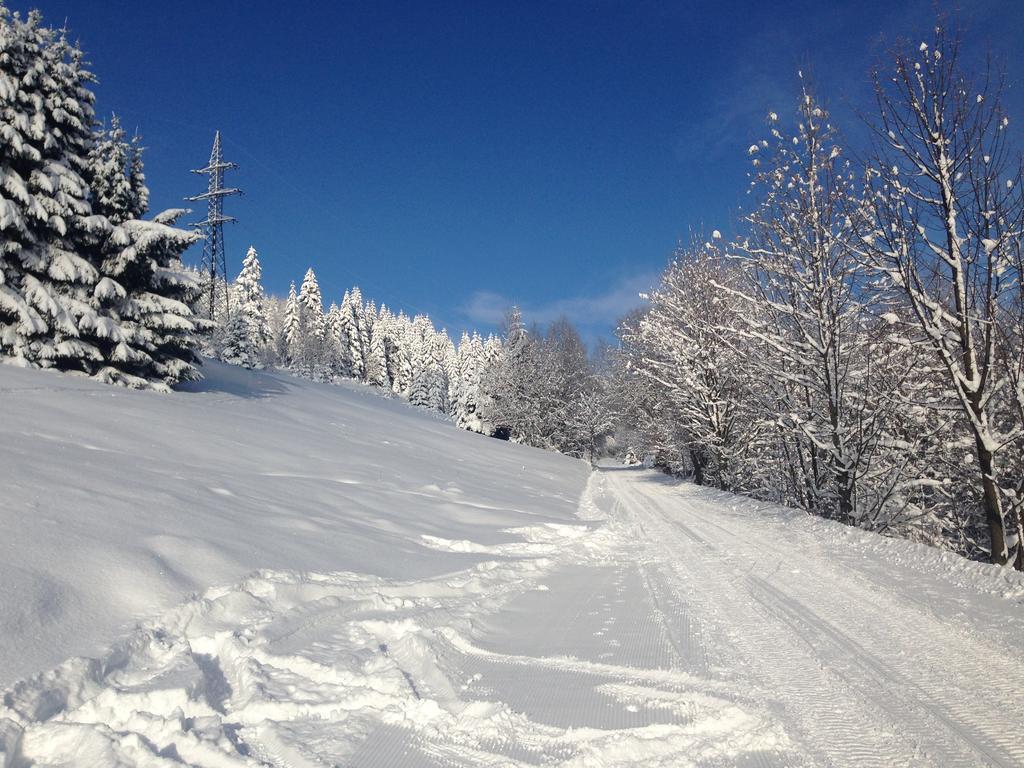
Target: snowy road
<point x="669" y="626"/>
<point x="864" y="662"/>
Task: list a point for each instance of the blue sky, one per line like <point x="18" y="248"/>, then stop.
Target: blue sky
<point x="454" y="158"/>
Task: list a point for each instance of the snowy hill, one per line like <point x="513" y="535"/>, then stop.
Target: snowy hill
<point x="117" y="503"/>
<point x="372" y="587"/>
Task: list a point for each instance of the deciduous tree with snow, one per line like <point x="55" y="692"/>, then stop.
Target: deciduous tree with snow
<point x="947" y="232"/>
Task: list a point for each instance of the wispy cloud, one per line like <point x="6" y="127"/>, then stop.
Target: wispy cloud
<point x="594" y="315"/>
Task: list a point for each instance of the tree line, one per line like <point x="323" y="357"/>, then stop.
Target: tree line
<point x="856" y="351"/>
<point x="540" y="389"/>
<point x="352" y="340"/>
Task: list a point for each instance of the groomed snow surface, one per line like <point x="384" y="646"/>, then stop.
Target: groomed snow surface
<point x="372" y="587"/>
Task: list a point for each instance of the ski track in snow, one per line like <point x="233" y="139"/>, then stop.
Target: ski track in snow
<point x="670" y="626"/>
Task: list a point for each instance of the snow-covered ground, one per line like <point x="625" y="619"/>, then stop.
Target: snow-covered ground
<point x="372" y="587"/>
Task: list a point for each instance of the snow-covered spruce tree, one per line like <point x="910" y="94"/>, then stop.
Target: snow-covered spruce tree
<point x="439" y="345"/>
<point x="356" y="328"/>
<point x="115" y="176"/>
<point x="236" y="343"/>
<point x="452" y="374"/>
<point x="530" y="391"/>
<point x="250" y="303"/>
<point x="275" y="308"/>
<point x="406" y="343"/>
<point x="149" y="333"/>
<point x="312" y="326"/>
<point x="46" y="118"/>
<point x="367" y="318"/>
<point x="947" y="237"/>
<point x="493" y="349"/>
<point x="352" y="363"/>
<point x="144" y="295"/>
<point x="470" y="362"/>
<point x="139" y="204"/>
<point x="333" y="362"/>
<point x="387" y="327"/>
<point x="377" y="359"/>
<point x="419" y="386"/>
<point x="86" y="285"/>
<point x="291" y="348"/>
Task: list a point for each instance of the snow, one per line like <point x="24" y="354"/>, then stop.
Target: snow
<point x="118" y="504"/>
<point x="371" y="586"/>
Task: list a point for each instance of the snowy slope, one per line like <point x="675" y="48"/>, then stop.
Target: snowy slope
<point x="116" y="504"/>
<point x="375" y="588"/>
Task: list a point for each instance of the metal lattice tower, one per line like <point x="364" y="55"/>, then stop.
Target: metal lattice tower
<point x="215" y="265"/>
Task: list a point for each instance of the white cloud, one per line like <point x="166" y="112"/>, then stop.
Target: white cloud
<point x="594" y="315"/>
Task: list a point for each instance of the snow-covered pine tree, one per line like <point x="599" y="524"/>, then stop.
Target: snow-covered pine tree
<point x="346" y="331"/>
<point x="311" y="322"/>
<point x="236" y="344"/>
<point x="110" y="163"/>
<point x="367" y="319"/>
<point x="404" y="340"/>
<point x="354" y="328"/>
<point x="565" y="374"/>
<point x="292" y="328"/>
<point x="275" y="306"/>
<point x="471" y="355"/>
<point x="386" y="326"/>
<point x="421" y="385"/>
<point x="492" y="351"/>
<point x="155" y="314"/>
<point x="333" y="362"/>
<point x="147" y="331"/>
<point x="249" y="301"/>
<point x="439" y="352"/>
<point x="458" y="387"/>
<point x="137" y="179"/>
<point x="377" y="360"/>
<point x="452" y="375"/>
<point x="46" y="310"/>
<point x="509" y="390"/>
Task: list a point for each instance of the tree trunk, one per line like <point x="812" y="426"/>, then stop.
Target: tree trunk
<point x="845" y="484"/>
<point x="993" y="506"/>
<point x="1018" y="561"/>
<point x="1018" y="524"/>
<point x="698" y="467"/>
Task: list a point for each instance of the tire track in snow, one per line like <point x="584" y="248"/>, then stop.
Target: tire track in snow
<point x="815" y="710"/>
<point x="904" y="699"/>
<point x="926" y="719"/>
<point x="922" y="661"/>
